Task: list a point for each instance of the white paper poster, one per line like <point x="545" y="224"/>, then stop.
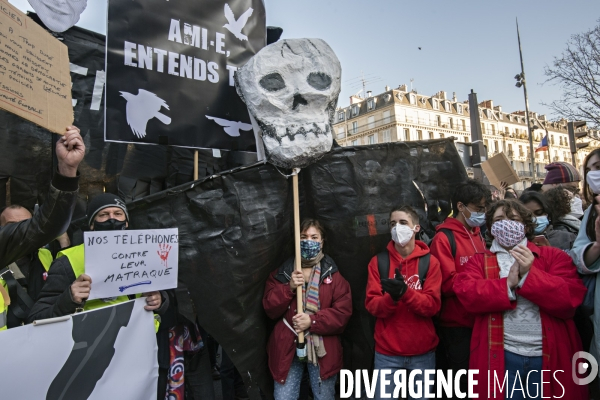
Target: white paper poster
<point x="108" y="353"/>
<point x="131" y="261"/>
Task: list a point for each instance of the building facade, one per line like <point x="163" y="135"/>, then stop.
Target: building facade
<point x="402" y="115"/>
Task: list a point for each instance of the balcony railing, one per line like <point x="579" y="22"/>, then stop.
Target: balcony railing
<point x="525" y="174"/>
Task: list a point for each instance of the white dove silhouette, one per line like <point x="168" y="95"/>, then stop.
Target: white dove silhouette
<point x="234" y="26"/>
<point x="141" y="108"/>
<point x="232" y="128"/>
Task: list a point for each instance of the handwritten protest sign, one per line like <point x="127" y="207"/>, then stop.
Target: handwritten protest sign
<point x="130" y="262"/>
<point x="35" y="81"/>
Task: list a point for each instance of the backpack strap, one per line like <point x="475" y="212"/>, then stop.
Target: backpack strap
<point x="383" y="264"/>
<point x="450" y="235"/>
<point x="424" y="268"/>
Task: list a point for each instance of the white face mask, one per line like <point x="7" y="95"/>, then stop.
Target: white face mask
<point x="401" y="234"/>
<point x="593" y="181"/>
<point x="576" y="207"/>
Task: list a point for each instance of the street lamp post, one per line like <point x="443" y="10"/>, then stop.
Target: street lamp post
<point x="521" y="82"/>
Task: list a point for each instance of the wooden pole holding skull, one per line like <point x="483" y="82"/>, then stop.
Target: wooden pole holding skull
<point x="297" y="255"/>
<point x="291" y="89"/>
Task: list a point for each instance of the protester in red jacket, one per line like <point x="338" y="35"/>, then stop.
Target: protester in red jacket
<point x="469" y="202"/>
<point x="327" y="309"/>
<point x="405" y="337"/>
<point x="524" y="298"/>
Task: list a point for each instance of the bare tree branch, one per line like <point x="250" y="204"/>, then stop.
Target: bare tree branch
<point x="577" y="72"/>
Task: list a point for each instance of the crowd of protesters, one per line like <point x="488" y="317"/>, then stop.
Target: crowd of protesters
<point x="499" y="288"/>
<point x="502" y="287"/>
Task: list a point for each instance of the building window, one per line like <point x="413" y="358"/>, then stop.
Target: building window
<point x="467" y="139"/>
<point x="438" y="120"/>
<point x="451" y="123"/>
<point x="552" y="139"/>
<point x="500" y="115"/>
<point x="354" y="127"/>
<point x="441" y="135"/>
<point x="485" y="142"/>
<point x="372" y="139"/>
<point x="341" y="116"/>
<point x="371" y="104"/>
<point x="413" y="99"/>
<point x="406" y="135"/>
<point x="354" y="110"/>
<point x="493" y="129"/>
<point x="459" y="108"/>
<point x="420" y="135"/>
<point x="387" y="137"/>
<point x="464" y="125"/>
<point x="447" y="106"/>
<point x="355" y="142"/>
<point x="341" y="133"/>
<point x="430" y="135"/>
<point x="436" y="104"/>
<point x="496" y="146"/>
<point x="386" y="117"/>
<point x="371" y="122"/>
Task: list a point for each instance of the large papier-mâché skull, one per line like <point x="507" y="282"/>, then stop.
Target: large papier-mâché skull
<point x="291" y="89"/>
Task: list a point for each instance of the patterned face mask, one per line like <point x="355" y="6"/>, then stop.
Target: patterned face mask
<point x="508" y="233"/>
<point x="309" y="249"/>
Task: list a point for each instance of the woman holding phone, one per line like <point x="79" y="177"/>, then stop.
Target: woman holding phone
<point x="545" y="234"/>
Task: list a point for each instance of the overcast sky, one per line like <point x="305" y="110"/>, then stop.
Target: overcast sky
<point x="464" y="45"/>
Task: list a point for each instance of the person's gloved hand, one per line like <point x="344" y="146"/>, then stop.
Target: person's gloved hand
<point x="395" y="287"/>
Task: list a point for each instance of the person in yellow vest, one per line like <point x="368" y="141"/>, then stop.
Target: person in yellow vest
<point x="68" y="287"/>
<point x="28" y="274"/>
<point x="51" y="219"/>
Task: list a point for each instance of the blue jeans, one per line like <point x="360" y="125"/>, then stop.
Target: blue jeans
<point x="397" y="363"/>
<point x="322" y="390"/>
<point x="531" y="384"/>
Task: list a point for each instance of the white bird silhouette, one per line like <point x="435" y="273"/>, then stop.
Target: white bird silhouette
<point x="231" y="128"/>
<point x="235" y="26"/>
<point x="141" y="108"/>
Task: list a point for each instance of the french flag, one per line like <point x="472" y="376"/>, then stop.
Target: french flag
<point x="543" y="144"/>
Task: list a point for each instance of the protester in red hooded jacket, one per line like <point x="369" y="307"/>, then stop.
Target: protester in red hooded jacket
<point x="327" y="310"/>
<point x="469" y="202"/>
<point x="405" y="337"/>
<point x="524" y="341"/>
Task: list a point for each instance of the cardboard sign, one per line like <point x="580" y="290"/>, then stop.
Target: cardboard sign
<point x="130" y="262"/>
<point x="498" y="169"/>
<point x="35" y="81"/>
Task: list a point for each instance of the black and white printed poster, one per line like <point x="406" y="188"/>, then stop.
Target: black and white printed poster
<point x="170" y="67"/>
<point x="106" y="353"/>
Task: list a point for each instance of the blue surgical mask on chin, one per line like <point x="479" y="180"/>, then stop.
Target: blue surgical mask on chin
<point x="476" y="219"/>
<point x="541" y="223"/>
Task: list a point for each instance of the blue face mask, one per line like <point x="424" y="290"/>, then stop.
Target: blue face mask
<point x="309" y="249"/>
<point x="476" y="219"/>
<point x="541" y="223"/>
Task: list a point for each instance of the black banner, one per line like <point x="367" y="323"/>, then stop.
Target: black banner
<point x="170" y="69"/>
<point x="237" y="227"/>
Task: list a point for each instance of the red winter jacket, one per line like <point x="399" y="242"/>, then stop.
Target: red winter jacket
<point x="336" y="308"/>
<point x="468" y="243"/>
<point x="405" y="328"/>
<point x="552" y="284"/>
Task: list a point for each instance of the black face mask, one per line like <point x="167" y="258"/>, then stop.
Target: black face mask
<point x="110" y="225"/>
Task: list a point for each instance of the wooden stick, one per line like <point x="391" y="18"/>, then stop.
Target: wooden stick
<point x="196" y="165"/>
<point x="298" y="265"/>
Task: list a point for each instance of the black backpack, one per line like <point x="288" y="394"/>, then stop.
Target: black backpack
<point x="383" y="264"/>
<point x="450" y="235"/>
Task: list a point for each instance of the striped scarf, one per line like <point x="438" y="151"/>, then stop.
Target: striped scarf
<point x="310" y="296"/>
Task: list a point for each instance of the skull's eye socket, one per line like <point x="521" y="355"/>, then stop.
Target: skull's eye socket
<point x="272" y="82"/>
<point x="319" y="80"/>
